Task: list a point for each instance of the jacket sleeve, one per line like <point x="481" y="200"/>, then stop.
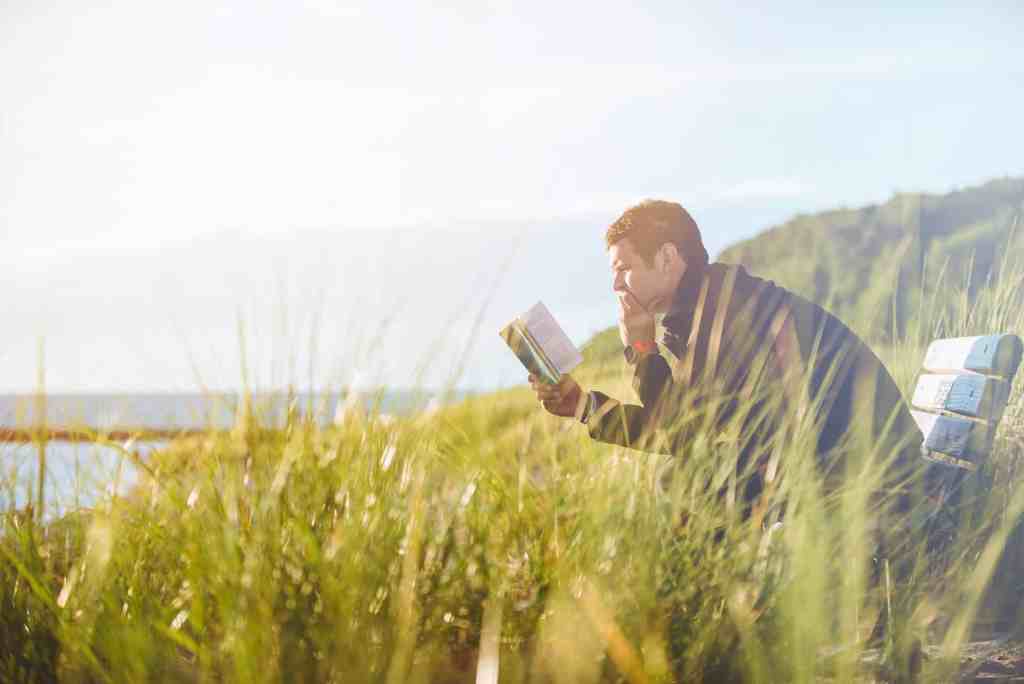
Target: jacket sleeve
<point x="632" y="425"/>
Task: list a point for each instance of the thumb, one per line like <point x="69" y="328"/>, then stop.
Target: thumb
<point x="571" y="391"/>
<point x="633" y="304"/>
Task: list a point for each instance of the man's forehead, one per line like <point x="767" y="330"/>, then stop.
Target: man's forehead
<point x="621" y="252"/>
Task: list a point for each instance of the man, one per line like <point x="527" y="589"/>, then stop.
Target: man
<point x="738" y="354"/>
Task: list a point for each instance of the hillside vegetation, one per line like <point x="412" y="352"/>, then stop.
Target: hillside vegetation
<point x="874" y="265"/>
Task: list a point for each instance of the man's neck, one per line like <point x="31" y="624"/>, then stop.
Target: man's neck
<point x="664" y="303"/>
<point x="684" y="297"/>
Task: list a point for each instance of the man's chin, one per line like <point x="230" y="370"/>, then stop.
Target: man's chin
<point x="657" y="305"/>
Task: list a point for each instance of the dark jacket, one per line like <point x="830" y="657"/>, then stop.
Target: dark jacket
<point x="736" y="342"/>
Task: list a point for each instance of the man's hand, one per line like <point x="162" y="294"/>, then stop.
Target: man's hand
<point x="636" y="324"/>
<point x="561" y="399"/>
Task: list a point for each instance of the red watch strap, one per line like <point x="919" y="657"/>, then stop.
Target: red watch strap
<point x="645" y="346"/>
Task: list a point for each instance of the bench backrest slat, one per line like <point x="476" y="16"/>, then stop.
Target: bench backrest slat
<point x="960" y="438"/>
<point x="998" y="355"/>
<point x="975" y="396"/>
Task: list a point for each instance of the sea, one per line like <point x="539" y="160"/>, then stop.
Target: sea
<point x="80" y="474"/>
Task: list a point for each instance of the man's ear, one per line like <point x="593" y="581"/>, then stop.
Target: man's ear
<point x="669" y="254"/>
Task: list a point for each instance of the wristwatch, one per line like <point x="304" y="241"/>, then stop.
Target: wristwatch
<point x="634" y="351"/>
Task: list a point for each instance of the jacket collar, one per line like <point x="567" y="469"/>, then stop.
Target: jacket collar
<point x="684" y="301"/>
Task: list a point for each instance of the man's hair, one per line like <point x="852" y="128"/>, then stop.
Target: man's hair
<point x="651" y="224"/>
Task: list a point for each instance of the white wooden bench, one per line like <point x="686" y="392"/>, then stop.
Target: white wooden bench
<point x="961" y="394"/>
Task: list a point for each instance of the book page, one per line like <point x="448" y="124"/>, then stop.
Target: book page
<point x="551" y="338"/>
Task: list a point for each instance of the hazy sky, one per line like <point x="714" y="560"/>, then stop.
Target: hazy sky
<point x="135" y="134"/>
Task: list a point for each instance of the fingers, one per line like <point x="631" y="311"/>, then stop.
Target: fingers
<point x="547" y="392"/>
<point x="625" y="305"/>
<point x="541" y="386"/>
<point x="630" y="304"/>
<point x="630" y="307"/>
<point x="554" y="393"/>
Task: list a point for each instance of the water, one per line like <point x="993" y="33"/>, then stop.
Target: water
<point x="80" y="474"/>
<point x="77" y="474"/>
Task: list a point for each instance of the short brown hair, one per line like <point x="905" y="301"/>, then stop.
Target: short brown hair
<point x="652" y="223"/>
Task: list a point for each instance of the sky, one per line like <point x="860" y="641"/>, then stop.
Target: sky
<point x="341" y="185"/>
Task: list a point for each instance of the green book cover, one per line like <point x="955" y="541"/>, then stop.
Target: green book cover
<point x="529" y="353"/>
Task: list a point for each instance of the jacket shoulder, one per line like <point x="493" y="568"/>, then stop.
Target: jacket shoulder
<point x="746" y="284"/>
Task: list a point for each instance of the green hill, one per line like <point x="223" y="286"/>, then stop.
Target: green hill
<point x="865" y="264"/>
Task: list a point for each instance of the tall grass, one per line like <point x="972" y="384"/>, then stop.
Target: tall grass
<point x="377" y="548"/>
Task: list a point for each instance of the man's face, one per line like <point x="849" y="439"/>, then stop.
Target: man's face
<point x="651" y="286"/>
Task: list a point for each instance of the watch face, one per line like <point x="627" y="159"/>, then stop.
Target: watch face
<point x="630" y="354"/>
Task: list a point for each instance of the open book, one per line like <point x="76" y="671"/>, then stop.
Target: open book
<point x="541" y="344"/>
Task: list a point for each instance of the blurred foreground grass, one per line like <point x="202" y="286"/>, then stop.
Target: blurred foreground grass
<point x="372" y="549"/>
